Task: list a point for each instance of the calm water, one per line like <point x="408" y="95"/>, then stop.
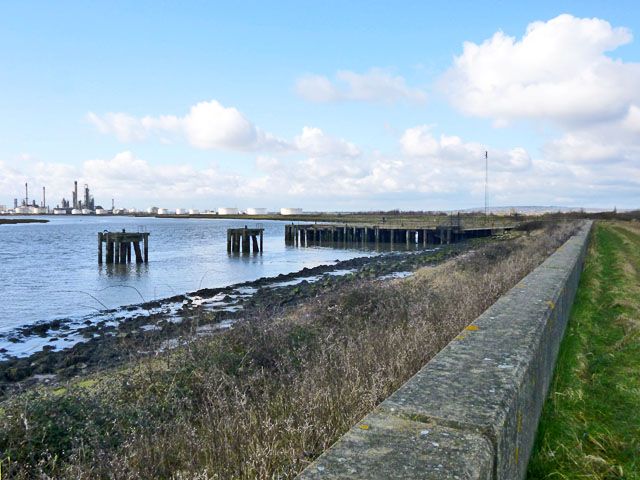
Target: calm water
<point x="50" y="270"/>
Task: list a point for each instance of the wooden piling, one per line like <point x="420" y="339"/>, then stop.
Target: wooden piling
<point x="138" y="253"/>
<point x="109" y="243"/>
<point x="100" y="234"/>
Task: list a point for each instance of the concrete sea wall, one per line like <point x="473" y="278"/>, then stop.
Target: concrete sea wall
<point x="473" y="410"/>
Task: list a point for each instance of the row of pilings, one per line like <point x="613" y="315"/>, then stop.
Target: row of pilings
<point x="318" y="234"/>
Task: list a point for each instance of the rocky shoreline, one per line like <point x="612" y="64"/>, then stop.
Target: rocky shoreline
<point x="151" y="327"/>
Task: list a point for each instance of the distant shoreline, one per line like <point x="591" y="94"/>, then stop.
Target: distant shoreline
<point x="14" y="221"/>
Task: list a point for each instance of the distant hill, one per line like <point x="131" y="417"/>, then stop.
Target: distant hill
<point x="534" y="209"/>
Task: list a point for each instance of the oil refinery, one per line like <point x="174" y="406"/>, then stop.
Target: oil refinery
<point x="83" y="203"/>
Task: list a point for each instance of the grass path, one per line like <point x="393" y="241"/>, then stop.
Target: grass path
<point x="590" y="426"/>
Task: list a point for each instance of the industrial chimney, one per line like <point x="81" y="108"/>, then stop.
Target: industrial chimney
<point x="75" y="194"/>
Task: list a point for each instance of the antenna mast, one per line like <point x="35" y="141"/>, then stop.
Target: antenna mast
<point x="486" y="180"/>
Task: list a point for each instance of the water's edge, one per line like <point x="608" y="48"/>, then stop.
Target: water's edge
<point x="69" y="348"/>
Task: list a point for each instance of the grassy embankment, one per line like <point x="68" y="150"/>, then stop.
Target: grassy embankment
<point x="267" y="397"/>
<point x="590" y="427"/>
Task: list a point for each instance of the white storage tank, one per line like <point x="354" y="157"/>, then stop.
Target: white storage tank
<point x="101" y="211"/>
<point x="290" y="211"/>
<point x="86" y="211"/>
<point x="152" y="210"/>
<point x="76" y="211"/>
<point x="59" y="211"/>
<point x="181" y="211"/>
<point x="228" y="211"/>
<point x="256" y="211"/>
<point x="163" y="211"/>
<point x="193" y="211"/>
<point x="22" y="210"/>
<point x="131" y="210"/>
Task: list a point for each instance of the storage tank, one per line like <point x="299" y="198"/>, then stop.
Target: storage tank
<point x="152" y="210"/>
<point x="228" y="211"/>
<point x="59" y="211"/>
<point x="256" y="211"/>
<point x="181" y="211"/>
<point x="86" y="211"/>
<point x="131" y="210"/>
<point x="194" y="211"/>
<point x="22" y="210"/>
<point x="76" y="211"/>
<point x="163" y="211"/>
<point x="290" y="211"/>
<point x="37" y="210"/>
<point x="101" y="211"/>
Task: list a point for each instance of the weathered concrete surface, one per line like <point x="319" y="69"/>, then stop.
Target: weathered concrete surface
<point x="486" y="387"/>
<point x="387" y="446"/>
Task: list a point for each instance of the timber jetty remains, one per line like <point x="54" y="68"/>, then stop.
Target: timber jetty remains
<point x="118" y="246"/>
<point x="244" y="237"/>
<point x="317" y="234"/>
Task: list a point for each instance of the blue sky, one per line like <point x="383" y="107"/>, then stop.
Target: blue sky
<point x="323" y="105"/>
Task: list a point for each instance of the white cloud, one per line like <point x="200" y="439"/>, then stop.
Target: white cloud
<point x="376" y="85"/>
<point x="450" y="151"/>
<point x="314" y="142"/>
<point x="208" y="125"/>
<point x="125" y="127"/>
<point x="559" y="70"/>
<point x="161" y="182"/>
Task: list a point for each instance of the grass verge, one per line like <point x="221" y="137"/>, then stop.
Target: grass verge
<point x="590" y="426"/>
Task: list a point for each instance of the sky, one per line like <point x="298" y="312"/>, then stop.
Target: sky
<point x="327" y="106"/>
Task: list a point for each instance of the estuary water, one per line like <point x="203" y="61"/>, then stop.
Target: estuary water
<point x="50" y="271"/>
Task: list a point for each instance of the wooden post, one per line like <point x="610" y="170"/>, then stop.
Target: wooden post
<point x="256" y="249"/>
<point x="229" y="240"/>
<point x="109" y="249"/>
<point x="424" y="238"/>
<point x="128" y="252"/>
<point x="146" y="248"/>
<point x="117" y="252"/>
<point x="99" y="248"/>
<point x="261" y="232"/>
<point x="245" y="242"/>
<point x="138" y="253"/>
<point x="123" y="252"/>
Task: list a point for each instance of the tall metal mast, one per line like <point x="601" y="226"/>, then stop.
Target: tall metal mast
<point x="486" y="180"/>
